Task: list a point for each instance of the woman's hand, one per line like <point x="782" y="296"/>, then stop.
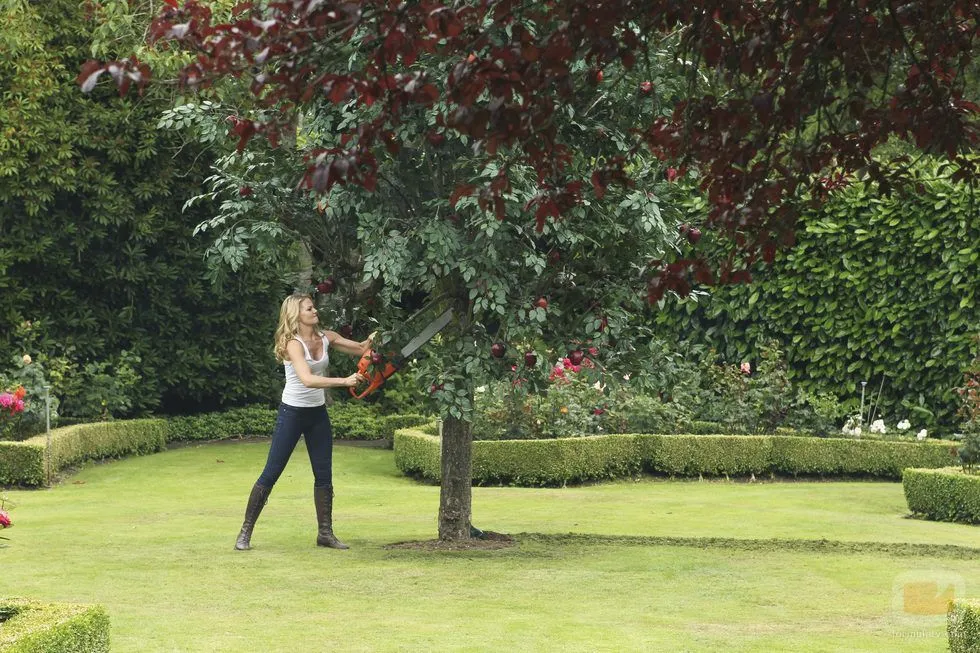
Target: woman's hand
<point x="367" y="344"/>
<point x="354" y="379"/>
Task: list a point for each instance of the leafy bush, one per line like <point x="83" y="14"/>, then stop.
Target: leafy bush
<point x="104" y="389"/>
<point x="36" y="627"/>
<point x="943" y="494"/>
<point x="970" y="452"/>
<point x="572" y="460"/>
<point x="963" y="626"/>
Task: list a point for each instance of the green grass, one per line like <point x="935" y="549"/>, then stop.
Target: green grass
<point x="666" y="565"/>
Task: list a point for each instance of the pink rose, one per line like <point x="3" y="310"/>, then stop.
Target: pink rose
<point x="19" y="406"/>
<point x="5" y="519"/>
<point x="6" y="400"/>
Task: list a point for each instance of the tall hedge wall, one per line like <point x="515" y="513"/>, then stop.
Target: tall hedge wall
<point x="94" y="244"/>
<point x="874" y="287"/>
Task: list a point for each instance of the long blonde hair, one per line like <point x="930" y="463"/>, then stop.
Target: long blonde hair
<point x="288" y="324"/>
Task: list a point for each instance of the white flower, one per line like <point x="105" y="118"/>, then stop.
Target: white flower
<point x="903" y="425"/>
<point x="921" y="435"/>
<point x="878" y="426"/>
<point x="482" y="388"/>
<point x="852" y="426"/>
<point x="27" y="359"/>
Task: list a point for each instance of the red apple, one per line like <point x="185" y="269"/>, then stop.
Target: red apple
<point x="542" y="303"/>
<point x="245" y="191"/>
<point x="694" y="235"/>
<point x="498" y="349"/>
<point x="376" y="358"/>
<point x="646" y="87"/>
<point x="576" y="356"/>
<point x="530" y="360"/>
<point x="326" y="286"/>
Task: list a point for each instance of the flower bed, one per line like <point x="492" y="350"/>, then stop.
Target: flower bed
<point x="31" y="626"/>
<point x="574" y="460"/>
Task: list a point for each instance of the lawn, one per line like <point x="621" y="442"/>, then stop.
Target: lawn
<point x="652" y="565"/>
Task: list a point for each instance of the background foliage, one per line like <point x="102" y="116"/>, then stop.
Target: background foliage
<point x="100" y="277"/>
<point x="877" y="287"/>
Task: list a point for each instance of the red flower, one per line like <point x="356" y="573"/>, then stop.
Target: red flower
<point x="19" y="392"/>
<point x="5" y="519"/>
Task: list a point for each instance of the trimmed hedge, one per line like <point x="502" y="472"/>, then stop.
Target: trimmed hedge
<point x="350" y="422"/>
<point x="948" y="494"/>
<point x="574" y="460"/>
<point x="963" y="626"/>
<point x="34" y="627"/>
<point x="233" y="423"/>
<point x="23" y="463"/>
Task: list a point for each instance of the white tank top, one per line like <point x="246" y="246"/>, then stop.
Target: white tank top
<point x="295" y="393"/>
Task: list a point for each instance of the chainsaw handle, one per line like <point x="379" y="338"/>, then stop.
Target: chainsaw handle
<point x="375" y="380"/>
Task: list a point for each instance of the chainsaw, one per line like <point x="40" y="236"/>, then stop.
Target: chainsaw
<point x="394" y="362"/>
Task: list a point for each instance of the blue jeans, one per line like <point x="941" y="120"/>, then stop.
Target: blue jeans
<point x="314" y="424"/>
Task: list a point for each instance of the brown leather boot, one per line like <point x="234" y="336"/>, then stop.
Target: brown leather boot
<point x="256" y="501"/>
<point x="323" y="498"/>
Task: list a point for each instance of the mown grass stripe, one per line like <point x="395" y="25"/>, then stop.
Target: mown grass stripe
<point x="900" y="549"/>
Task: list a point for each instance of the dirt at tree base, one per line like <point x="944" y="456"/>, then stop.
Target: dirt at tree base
<point x="489" y="541"/>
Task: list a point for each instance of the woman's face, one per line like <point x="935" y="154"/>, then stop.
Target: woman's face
<point x="307" y="313"/>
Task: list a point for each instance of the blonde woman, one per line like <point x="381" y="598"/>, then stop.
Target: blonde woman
<point x="303" y="347"/>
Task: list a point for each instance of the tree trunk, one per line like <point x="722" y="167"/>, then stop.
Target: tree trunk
<point x="456" y="496"/>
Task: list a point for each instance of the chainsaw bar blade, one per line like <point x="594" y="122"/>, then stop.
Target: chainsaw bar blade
<point x="434" y="327"/>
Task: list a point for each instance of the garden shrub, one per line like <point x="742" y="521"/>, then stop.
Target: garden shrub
<point x="23" y="463"/>
<point x="963" y="626"/>
<point x="37" y="627"/>
<point x="795" y="455"/>
<point x="571" y="460"/>
<point x="350" y="421"/>
<point x="947" y="494"/>
<point x="712" y="455"/>
<point x="555" y="462"/>
<point x="418" y="453"/>
<point x="232" y="423"/>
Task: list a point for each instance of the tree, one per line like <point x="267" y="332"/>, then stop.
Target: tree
<point x="783" y="100"/>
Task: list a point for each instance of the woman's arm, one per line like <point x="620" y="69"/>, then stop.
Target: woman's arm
<point x="311" y="380"/>
<point x="351" y="347"/>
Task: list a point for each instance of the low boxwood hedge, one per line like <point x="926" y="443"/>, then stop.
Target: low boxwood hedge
<point x="574" y="460"/>
<point x="947" y="494"/>
<point x="34" y="627"/>
<point x="963" y="626"/>
<point x="350" y="421"/>
<point x="23" y="463"/>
